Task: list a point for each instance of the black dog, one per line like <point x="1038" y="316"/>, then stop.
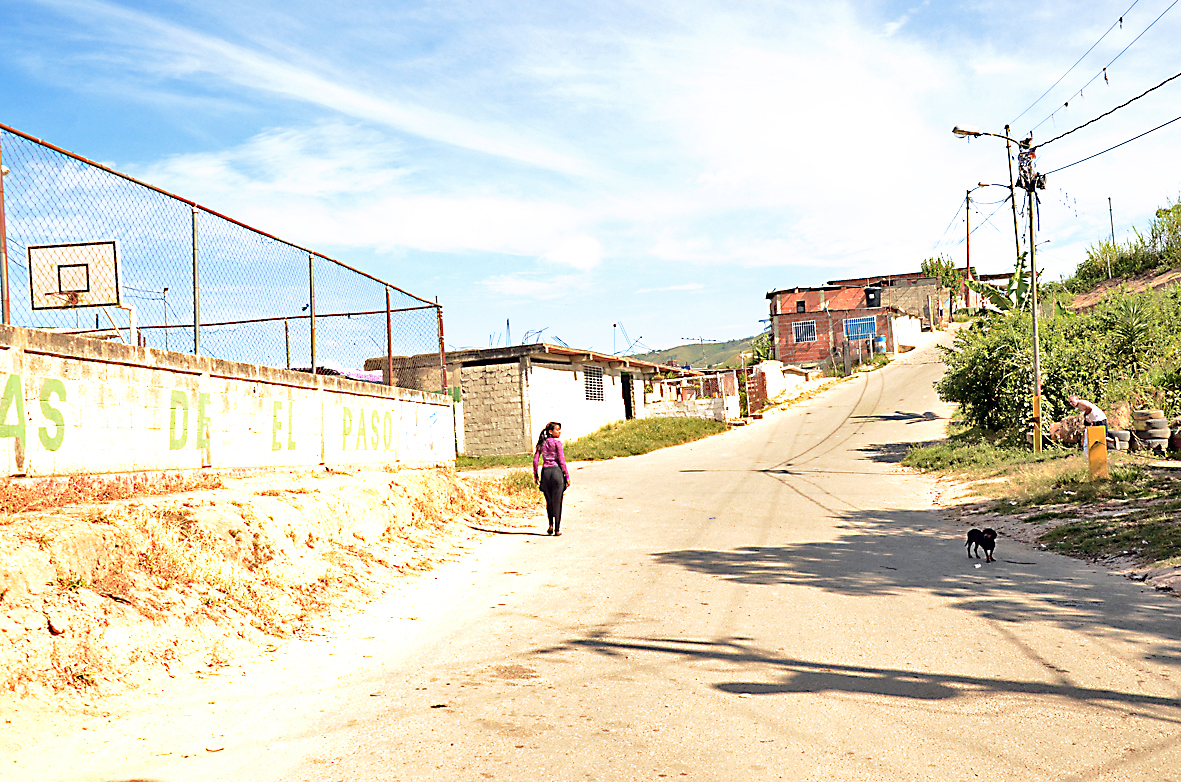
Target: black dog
<point x="985" y="539"/>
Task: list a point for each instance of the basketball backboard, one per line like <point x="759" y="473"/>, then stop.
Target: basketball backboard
<point x="78" y="274"/>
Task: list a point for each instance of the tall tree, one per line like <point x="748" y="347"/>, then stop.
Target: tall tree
<point x="943" y="269"/>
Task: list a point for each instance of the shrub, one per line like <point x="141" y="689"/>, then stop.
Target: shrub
<point x="1128" y="349"/>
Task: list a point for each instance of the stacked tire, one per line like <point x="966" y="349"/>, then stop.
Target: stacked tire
<point x="1120" y="438"/>
<point x="1150" y="431"/>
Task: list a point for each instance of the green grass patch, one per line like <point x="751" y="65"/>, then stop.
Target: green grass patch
<point x="1050" y="515"/>
<point x="484" y="462"/>
<point x="975" y="454"/>
<point x="1069" y="482"/>
<point x="1152" y="535"/>
<point x="624" y="438"/>
<point x="641" y="435"/>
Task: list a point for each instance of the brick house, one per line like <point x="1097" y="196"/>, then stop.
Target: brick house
<point x="923" y="296"/>
<point x="810" y="325"/>
<point x="506" y="395"/>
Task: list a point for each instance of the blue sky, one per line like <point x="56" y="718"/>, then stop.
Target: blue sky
<point x="570" y="166"/>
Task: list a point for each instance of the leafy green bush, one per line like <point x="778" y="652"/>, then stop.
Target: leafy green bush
<point x="1128" y="349"/>
<point x="990" y="368"/>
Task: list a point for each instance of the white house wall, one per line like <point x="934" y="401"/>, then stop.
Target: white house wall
<point x="559" y="394"/>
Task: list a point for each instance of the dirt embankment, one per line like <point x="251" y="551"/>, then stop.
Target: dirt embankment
<point x="101" y="593"/>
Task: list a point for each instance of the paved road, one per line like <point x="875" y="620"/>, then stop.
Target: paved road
<point x="777" y="602"/>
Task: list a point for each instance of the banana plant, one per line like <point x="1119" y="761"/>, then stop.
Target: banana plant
<point x="1016" y="294"/>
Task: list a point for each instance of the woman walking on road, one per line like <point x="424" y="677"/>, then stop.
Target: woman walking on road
<point x="554" y="478"/>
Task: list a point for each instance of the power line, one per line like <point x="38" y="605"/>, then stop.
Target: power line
<point x="1117" y="146"/>
<point x="1107" y="113"/>
<point x="948" y="228"/>
<point x="1119" y="21"/>
<point x="982" y="223"/>
<point x="1103" y="72"/>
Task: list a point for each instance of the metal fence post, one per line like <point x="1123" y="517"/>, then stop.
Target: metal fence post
<point x="287" y="340"/>
<point x="5" y="313"/>
<point x="312" y="305"/>
<point x="389" y="341"/>
<point x="442" y="348"/>
<point x="196" y="292"/>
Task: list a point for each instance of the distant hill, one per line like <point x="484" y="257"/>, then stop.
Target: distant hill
<point x="709" y="355"/>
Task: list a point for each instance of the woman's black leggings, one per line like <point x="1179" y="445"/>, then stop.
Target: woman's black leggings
<point x="553" y="485"/>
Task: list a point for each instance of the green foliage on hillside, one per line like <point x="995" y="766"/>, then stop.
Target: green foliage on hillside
<point x="1159" y="250"/>
<point x="1128" y="349"/>
<point x="703" y="356"/>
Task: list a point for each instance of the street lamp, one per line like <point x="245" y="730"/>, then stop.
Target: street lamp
<point x="1031" y="181"/>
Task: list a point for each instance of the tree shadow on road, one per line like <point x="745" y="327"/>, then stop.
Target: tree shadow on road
<point x="892" y="552"/>
<point x="885" y="453"/>
<point x="899" y="415"/>
<point x="782" y="674"/>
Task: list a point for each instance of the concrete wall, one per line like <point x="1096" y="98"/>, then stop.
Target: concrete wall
<point x="72" y="405"/>
<point x="776" y="381"/>
<point x="919" y="298"/>
<point x="717" y="408"/>
<point x="494" y="410"/>
<point x="557" y="393"/>
<point x="907" y="331"/>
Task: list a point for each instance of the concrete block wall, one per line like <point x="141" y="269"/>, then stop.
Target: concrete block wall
<point x="72" y="405"/>
<point x="717" y="408"/>
<point x="918" y="300"/>
<point x="493" y="410"/>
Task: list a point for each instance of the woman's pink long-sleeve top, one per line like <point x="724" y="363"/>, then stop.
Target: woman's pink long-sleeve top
<point x="550" y="455"/>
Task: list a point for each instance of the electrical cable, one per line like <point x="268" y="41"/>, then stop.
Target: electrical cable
<point x="1119" y="21"/>
<point x="1107" y="113"/>
<point x="1117" y="146"/>
<point x="1103" y="72"/>
<point x="987" y="219"/>
<point x="948" y="228"/>
<point x="981" y="224"/>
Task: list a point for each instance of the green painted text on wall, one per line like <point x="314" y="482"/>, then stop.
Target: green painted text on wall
<point x="12" y="405"/>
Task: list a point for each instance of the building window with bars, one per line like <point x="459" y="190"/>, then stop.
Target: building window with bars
<point x="804" y="330"/>
<point x="594" y="383"/>
<point x="860" y="328"/>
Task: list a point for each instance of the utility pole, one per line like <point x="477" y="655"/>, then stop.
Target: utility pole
<point x="967" y="245"/>
<point x="1025" y="160"/>
<point x="1110" y="217"/>
<point x="1012" y="194"/>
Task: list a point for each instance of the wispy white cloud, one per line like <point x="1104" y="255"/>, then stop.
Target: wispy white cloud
<point x="546" y="288"/>
<point x="692" y="286"/>
<point x="669" y="147"/>
<point x="174" y="51"/>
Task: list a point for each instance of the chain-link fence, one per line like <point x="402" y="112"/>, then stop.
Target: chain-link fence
<point x="185" y="278"/>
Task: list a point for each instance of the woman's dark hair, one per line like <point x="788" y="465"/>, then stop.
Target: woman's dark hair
<point x="546" y="434"/>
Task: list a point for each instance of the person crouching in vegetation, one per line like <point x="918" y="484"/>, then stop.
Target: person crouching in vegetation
<point x="554" y="478"/>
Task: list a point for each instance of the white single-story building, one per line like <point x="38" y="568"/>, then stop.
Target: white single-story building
<point x="507" y="395"/>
